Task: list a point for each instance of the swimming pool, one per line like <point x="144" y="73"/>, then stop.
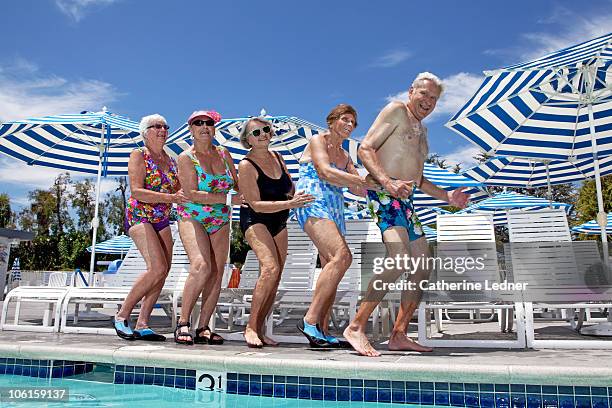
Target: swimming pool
<point x="83" y="393"/>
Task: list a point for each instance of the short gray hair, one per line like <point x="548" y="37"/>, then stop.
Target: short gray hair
<point x="146" y="121"/>
<point x="244" y="135"/>
<point x="424" y="76"/>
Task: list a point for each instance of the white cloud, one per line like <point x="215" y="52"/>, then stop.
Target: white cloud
<point x="458" y="89"/>
<point x="76" y="9"/>
<point x="463" y="155"/>
<point x="391" y="58"/>
<point x="25" y="92"/>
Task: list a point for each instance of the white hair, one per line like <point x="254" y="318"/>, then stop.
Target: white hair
<point x="146" y="121"/>
<point x="423" y="76"/>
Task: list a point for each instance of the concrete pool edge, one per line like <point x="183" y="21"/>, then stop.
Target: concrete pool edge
<point x="149" y="355"/>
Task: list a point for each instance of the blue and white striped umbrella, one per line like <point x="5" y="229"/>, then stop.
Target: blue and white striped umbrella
<point x="430" y="233"/>
<point x="428" y="215"/>
<point x="542" y="108"/>
<point x="592" y="228"/>
<point x="520" y="171"/>
<point x="499" y="204"/>
<point x="116" y="245"/>
<point x="89" y="142"/>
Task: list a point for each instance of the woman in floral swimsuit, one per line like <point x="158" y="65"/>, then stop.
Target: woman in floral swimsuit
<point x="154" y="186"/>
<point x="207" y="174"/>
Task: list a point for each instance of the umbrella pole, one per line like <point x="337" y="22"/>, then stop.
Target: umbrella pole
<point x="95" y="222"/>
<point x="548" y="183"/>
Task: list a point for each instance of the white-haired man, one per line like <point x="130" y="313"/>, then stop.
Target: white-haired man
<point x="394" y="152"/>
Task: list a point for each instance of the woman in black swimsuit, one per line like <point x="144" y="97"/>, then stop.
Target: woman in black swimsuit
<point x="268" y="192"/>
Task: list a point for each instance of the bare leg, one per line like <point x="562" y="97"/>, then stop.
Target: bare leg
<point x="332" y="246"/>
<point x="197" y="246"/>
<point x="410" y="302"/>
<point x="219" y="243"/>
<point x="151" y="247"/>
<point x="260" y="239"/>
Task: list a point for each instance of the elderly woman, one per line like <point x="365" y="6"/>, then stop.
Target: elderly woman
<point x="154" y="186"/>
<point x="324" y="169"/>
<point x="207" y="175"/>
<point x="268" y="191"/>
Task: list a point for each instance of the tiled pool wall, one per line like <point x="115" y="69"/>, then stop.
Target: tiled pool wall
<point x="337" y="389"/>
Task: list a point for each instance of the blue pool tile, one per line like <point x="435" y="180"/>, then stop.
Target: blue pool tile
<point x="291" y="391"/>
<point x="148" y="379"/>
<point x="316" y="392"/>
<point x="412" y="385"/>
<point x="158" y="370"/>
<point x="471" y="399"/>
<point x="582" y="402"/>
<point x="232" y="387"/>
<point x="232" y="376"/>
<point x="304" y="380"/>
<point x="316" y="381"/>
<point x="534" y="400"/>
<point x="254" y="388"/>
<point x="384" y="384"/>
<point x="243" y="387"/>
<point x="487" y="400"/>
<point x="599" y="391"/>
<point x="43" y="372"/>
<point x="502" y="400"/>
<point x="565" y="390"/>
<point x="398" y="385"/>
<point x="599" y="402"/>
<point x="292" y="379"/>
<point x="519" y="401"/>
<point x="118" y="378"/>
<point x="344" y="394"/>
<point x="582" y="391"/>
<point x="502" y="388"/>
<point x="279" y="390"/>
<point x="2" y="360"/>
<point x="343" y="382"/>
<point x="457" y="398"/>
<point x="179" y="382"/>
<point x="150" y="370"/>
<point x="413" y="397"/>
<point x="2" y="368"/>
<point x="304" y="391"/>
<point x="139" y="379"/>
<point x="370" y="395"/>
<point x="255" y="378"/>
<point x="158" y="380"/>
<point x="549" y="400"/>
<point x="398" y="396"/>
<point x="280" y="379"/>
<point x="357" y="394"/>
<point x="243" y="377"/>
<point x="18" y="369"/>
<point x="331" y="382"/>
<point x="356" y="383"/>
<point x="486" y="388"/>
<point x="329" y="393"/>
<point x="140" y="370"/>
<point x="25" y="370"/>
<point x="128" y="378"/>
<point x="442" y="398"/>
<point x="190" y="383"/>
<point x="471" y="387"/>
<point x="441" y="386"/>
<point x="169" y="381"/>
<point x="68" y="371"/>
<point x="549" y="389"/>
<point x="179" y="372"/>
<point x="566" y="401"/>
<point x="267" y="378"/>
<point x="370" y="383"/>
<point x="267" y="389"/>
<point x="534" y="389"/>
<point x="9" y="369"/>
<point x="427" y="397"/>
<point x="384" y="395"/>
<point x="426" y="386"/>
<point x="456" y="386"/>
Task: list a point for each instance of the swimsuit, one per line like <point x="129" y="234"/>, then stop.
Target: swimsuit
<point x="212" y="216"/>
<point x="329" y="200"/>
<point x="270" y="189"/>
<point x="156" y="214"/>
<point x="389" y="212"/>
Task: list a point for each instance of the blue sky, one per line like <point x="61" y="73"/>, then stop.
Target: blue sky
<point x="291" y="58"/>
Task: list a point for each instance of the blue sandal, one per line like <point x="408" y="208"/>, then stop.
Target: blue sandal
<point x="123" y="330"/>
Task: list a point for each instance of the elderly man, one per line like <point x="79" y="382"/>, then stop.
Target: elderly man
<point x="394" y="151"/>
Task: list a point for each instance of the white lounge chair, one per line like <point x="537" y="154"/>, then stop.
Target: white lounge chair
<point x="541" y="253"/>
<point x="462" y="230"/>
<point x="51" y="295"/>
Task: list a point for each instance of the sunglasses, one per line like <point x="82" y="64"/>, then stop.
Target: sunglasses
<point x="257" y="132"/>
<point x="200" y="122"/>
<point x="159" y="127"/>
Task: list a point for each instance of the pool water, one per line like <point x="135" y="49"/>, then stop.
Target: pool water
<point x="84" y="393"/>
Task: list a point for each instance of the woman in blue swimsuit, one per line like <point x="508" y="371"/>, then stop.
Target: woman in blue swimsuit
<point x="324" y="169"/>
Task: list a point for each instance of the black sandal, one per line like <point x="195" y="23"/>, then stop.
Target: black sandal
<point x="178" y="334"/>
<point x="207" y="339"/>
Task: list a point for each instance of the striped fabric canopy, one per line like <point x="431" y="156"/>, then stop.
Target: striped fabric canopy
<point x="499" y="204"/>
<point x="592" y="228"/>
<point x="116" y="245"/>
<point x="517" y="171"/>
<point x="73" y="142"/>
<point x="430" y="234"/>
<point x="541" y="108"/>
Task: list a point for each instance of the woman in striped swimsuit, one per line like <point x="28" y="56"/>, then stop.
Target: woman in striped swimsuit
<point x="324" y="169"/>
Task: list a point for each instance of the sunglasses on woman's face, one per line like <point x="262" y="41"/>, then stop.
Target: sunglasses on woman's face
<point x="159" y="127"/>
<point x="200" y="122"/>
<point x="257" y="132"/>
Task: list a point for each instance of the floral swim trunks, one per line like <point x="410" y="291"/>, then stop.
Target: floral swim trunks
<point x="389" y="211"/>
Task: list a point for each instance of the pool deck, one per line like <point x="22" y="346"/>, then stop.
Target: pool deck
<point x="502" y="366"/>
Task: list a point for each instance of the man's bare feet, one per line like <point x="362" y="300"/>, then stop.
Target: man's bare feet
<point x="401" y="342"/>
<point x="360" y="342"/>
<point x="252" y="339"/>
<point x="268" y="341"/>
